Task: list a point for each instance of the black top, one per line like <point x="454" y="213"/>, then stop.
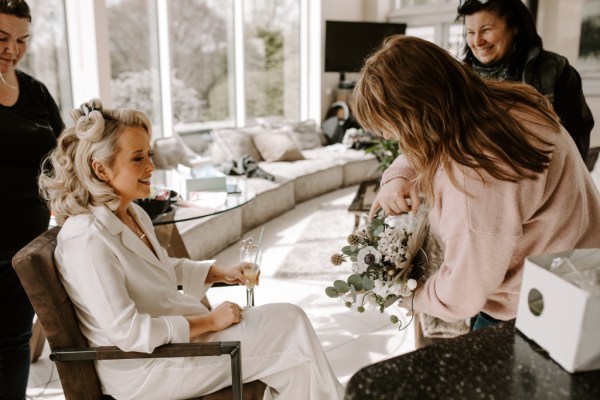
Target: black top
<point x="553" y="76"/>
<point x="491" y="363"/>
<point x="28" y="131"/>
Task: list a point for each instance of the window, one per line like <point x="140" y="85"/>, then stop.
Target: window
<point x="201" y="55"/>
<point x="133" y="50"/>
<point x="272" y="58"/>
<point x="48" y="58"/>
<point x="191" y="65"/>
<point x="432" y="20"/>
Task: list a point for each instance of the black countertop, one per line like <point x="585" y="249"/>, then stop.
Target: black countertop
<point x="493" y="363"/>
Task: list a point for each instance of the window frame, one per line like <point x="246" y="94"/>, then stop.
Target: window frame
<point x="87" y="30"/>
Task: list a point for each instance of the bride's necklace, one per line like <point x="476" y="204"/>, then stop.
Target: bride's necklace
<point x="136" y="230"/>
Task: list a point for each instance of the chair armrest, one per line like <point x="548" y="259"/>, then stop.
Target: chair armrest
<point x="168" y="350"/>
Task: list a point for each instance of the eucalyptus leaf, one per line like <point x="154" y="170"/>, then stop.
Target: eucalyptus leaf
<point x="378" y="230"/>
<point x="356" y="281"/>
<point x="341" y="286"/>
<point x="331" y="292"/>
<point x="367" y="283"/>
<point x="353" y="291"/>
<point x="376" y="224"/>
<point x="349" y="250"/>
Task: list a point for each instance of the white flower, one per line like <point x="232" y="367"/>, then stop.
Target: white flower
<point x="411" y="284"/>
<point x="380" y="288"/>
<point x="358" y="268"/>
<point x="395" y="289"/>
<point x="367" y="256"/>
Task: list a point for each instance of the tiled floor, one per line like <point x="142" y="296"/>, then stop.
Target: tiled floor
<point x="351" y="340"/>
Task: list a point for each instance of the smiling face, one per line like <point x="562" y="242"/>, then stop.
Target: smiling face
<point x="130" y="173"/>
<point x="14" y="37"/>
<point x="488" y="36"/>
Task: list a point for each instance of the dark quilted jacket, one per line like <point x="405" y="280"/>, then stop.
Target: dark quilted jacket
<point x="553" y="76"/>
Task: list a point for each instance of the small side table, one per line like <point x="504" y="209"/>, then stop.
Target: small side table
<point x="365" y="195"/>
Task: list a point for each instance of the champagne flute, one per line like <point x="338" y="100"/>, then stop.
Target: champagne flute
<point x="253" y="256"/>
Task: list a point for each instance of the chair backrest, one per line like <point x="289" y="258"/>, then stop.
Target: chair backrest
<point x="34" y="264"/>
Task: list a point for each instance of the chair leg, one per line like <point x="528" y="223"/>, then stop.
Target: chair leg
<point x="38" y="338"/>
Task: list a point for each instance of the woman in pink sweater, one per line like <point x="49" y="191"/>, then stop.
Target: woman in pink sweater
<point x="501" y="177"/>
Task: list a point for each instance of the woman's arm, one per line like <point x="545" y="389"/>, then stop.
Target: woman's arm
<point x="395" y="189"/>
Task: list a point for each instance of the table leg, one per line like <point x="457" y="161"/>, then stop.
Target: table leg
<point x="170" y="238"/>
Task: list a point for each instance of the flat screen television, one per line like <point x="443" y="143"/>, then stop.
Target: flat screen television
<point x="347" y="44"/>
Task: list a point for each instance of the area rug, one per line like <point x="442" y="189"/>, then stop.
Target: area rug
<point x="323" y="235"/>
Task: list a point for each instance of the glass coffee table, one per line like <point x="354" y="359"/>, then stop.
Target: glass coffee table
<point x="212" y="203"/>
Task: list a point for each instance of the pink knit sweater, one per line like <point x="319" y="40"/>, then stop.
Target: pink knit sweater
<point x="486" y="236"/>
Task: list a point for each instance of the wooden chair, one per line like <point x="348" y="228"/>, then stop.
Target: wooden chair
<point x="34" y="264"/>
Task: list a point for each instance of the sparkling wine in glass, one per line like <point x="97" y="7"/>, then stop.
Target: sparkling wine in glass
<point x="250" y="254"/>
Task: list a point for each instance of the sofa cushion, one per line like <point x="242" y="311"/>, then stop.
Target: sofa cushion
<point x="169" y="152"/>
<point x="277" y="146"/>
<point x="272" y="199"/>
<point x="311" y="176"/>
<point x="307" y="135"/>
<point x="232" y="144"/>
<point x="204" y="237"/>
<point x="357" y="165"/>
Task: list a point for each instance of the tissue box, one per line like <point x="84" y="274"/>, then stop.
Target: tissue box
<point x="204" y="179"/>
<point x="559" y="307"/>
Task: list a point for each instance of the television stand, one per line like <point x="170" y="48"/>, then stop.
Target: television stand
<point x="344" y="84"/>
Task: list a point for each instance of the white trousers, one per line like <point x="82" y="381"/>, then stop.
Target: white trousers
<point x="279" y="347"/>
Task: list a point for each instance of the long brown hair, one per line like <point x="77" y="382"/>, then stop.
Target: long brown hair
<point x="441" y="112"/>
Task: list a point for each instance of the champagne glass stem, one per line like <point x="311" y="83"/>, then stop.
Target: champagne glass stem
<point x="250" y="297"/>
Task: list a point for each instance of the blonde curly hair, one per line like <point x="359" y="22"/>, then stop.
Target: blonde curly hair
<point x="68" y="181"/>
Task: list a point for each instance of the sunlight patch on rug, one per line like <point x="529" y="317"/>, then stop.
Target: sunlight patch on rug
<point x="324" y="235"/>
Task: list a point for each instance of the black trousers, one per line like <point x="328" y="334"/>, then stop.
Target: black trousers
<point x="16" y="317"/>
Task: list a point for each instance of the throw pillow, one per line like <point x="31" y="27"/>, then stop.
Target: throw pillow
<point x="307" y="135"/>
<point x="277" y="146"/>
<point x="168" y="153"/>
<point x="232" y="144"/>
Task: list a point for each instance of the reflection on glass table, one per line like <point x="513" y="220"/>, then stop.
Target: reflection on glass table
<point x="204" y="204"/>
<point x="198" y="205"/>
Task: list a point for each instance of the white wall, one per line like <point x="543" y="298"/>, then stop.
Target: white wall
<point x="560" y="28"/>
<point x="340" y="10"/>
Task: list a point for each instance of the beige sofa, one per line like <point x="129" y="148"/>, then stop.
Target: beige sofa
<point x="302" y="167"/>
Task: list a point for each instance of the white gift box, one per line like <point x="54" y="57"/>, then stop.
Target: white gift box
<point x="203" y="179"/>
<point x="559" y="306"/>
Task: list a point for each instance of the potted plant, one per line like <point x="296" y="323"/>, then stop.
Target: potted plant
<point x="385" y="151"/>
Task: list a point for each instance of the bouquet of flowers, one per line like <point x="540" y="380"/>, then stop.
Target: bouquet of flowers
<point x="386" y="264"/>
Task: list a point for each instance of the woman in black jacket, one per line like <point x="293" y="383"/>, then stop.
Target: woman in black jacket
<point x="502" y="43"/>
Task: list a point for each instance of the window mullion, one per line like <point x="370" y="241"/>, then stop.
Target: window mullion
<point x="88" y="50"/>
<point x="164" y="50"/>
<point x="239" y="76"/>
